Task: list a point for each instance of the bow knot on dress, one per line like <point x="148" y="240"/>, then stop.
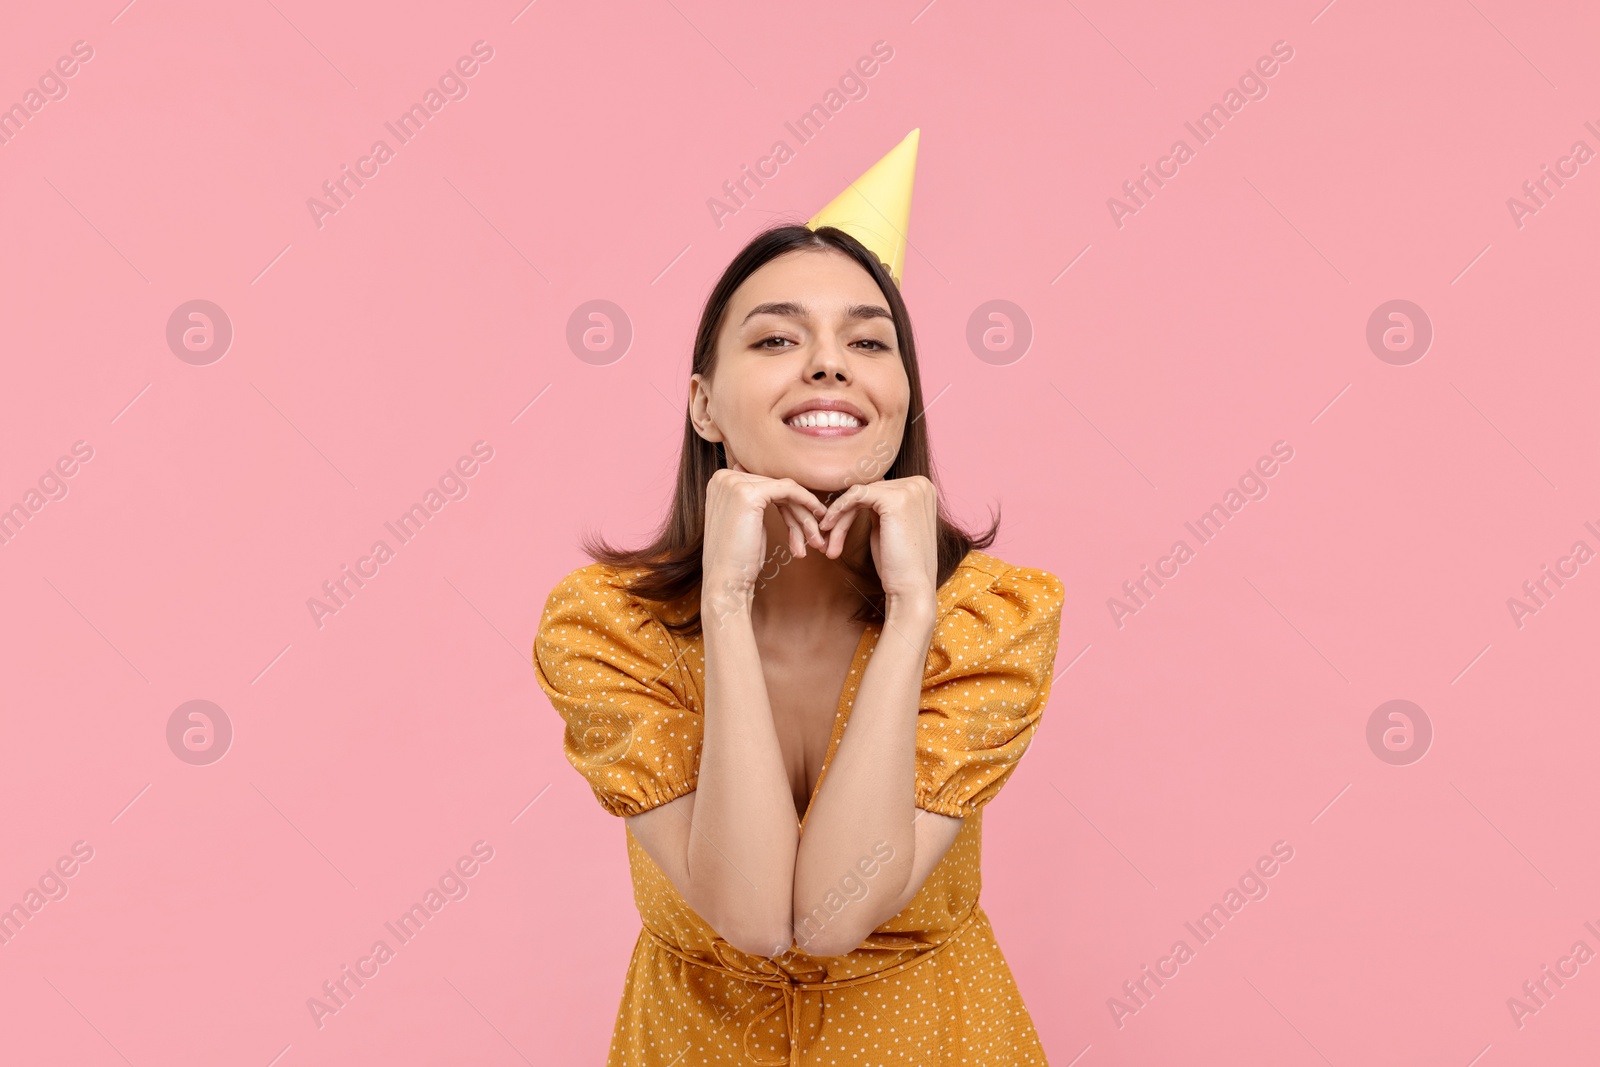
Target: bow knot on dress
<point x="800" y="981"/>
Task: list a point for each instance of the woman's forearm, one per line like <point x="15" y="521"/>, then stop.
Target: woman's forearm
<point x="741" y="851"/>
<point x="863" y="812"/>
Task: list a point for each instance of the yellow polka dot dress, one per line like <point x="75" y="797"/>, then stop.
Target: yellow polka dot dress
<point x="928" y="987"/>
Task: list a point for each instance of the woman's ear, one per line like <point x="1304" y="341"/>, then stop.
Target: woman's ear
<point x="700" y="409"/>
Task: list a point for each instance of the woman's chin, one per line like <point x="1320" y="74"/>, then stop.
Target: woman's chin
<point x="817" y="482"/>
<point x="825" y="487"/>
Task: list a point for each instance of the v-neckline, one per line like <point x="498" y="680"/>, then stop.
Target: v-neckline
<point x="841" y="713"/>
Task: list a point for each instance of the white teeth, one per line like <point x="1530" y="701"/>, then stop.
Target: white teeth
<point x="824" y="418"/>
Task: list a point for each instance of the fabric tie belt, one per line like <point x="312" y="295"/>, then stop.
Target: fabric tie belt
<point x="792" y="990"/>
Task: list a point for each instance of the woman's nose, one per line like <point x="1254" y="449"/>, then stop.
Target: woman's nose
<point x="828" y="362"/>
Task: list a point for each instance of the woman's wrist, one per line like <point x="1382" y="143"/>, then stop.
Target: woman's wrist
<point x="911" y="608"/>
<point x="914" y="616"/>
<point x="724" y="598"/>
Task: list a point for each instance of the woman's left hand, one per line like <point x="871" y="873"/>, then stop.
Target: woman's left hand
<point x="903" y="515"/>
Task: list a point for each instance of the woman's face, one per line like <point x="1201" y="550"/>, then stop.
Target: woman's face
<point x="808" y="326"/>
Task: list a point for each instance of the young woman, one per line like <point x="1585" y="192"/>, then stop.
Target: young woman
<point x="809" y="893"/>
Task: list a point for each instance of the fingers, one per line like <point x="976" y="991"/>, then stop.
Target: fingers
<point x="844" y="502"/>
<point x="807" y="519"/>
<point x="798" y="534"/>
<point x="797" y="506"/>
<point x="839" y="531"/>
<point x="804" y="500"/>
<point x="801" y="527"/>
<point x="797" y="543"/>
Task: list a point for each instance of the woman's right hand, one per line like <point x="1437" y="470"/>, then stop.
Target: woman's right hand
<point x="736" y="531"/>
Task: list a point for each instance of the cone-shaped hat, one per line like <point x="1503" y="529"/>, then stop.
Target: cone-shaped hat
<point x="876" y="208"/>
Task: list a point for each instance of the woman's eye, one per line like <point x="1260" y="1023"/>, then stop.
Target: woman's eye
<point x="880" y="346"/>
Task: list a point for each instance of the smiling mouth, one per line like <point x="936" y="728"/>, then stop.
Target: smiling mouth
<point x="824" y="420"/>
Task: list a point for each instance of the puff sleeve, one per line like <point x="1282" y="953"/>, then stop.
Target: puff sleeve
<point x="990" y="666"/>
<point x="608" y="666"/>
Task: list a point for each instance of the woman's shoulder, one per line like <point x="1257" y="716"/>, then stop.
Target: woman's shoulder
<point x="596" y="577"/>
<point x="988" y="610"/>
<point x="980" y="574"/>
<point x="598" y="582"/>
<point x="990" y="667"/>
<point x="613" y="676"/>
<point x="599" y="594"/>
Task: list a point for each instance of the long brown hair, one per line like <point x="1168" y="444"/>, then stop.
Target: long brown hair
<point x="672" y="561"/>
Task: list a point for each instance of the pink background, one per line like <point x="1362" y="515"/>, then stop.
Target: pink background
<point x="1230" y="312"/>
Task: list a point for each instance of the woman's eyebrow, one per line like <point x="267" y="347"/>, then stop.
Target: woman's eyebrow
<point x="790" y="309"/>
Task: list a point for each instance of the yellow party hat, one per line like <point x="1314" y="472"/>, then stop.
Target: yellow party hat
<point x="876" y="208"/>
